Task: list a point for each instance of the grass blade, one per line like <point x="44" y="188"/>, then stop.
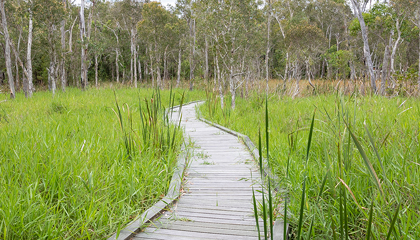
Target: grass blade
<point x="394" y="219"/>
<point x="256" y="213"/>
<point x="366" y="160"/>
<point x="311" y="130"/>
<point x="369" y="230"/>
<point x="270" y="197"/>
<point x="302" y="205"/>
<point x="375" y="149"/>
<point x="262" y="192"/>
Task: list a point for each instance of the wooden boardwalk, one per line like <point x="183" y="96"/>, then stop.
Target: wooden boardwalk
<point x="217" y="203"/>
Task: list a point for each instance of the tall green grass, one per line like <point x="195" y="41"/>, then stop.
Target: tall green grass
<point x="361" y="177"/>
<point x="71" y="169"/>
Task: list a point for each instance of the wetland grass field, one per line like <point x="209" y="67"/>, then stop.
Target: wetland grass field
<point x="68" y="170"/>
<point x="362" y="177"/>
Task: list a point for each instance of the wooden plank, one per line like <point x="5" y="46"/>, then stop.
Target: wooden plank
<point x="213" y="211"/>
<point x="208" y="228"/>
<point x="165" y="223"/>
<point x="250" y="223"/>
<point x="217" y="198"/>
<point x="196" y="235"/>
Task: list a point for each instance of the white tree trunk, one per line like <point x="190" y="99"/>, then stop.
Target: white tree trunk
<point x="159" y="80"/>
<point x="384" y="77"/>
<point x="117" y="65"/>
<point x="16" y="63"/>
<point x="140" y="71"/>
<point x="192" y="63"/>
<point x="358" y="12"/>
<point x="178" y="79"/>
<point x="51" y="75"/>
<point x="151" y="70"/>
<point x="395" y="47"/>
<point x="418" y="26"/>
<point x="232" y="88"/>
<point x="7" y="51"/>
<point x="135" y="66"/>
<point x="308" y="73"/>
<point x="63" y="49"/>
<point x="206" y="73"/>
<point x="133" y="55"/>
<point x="268" y="47"/>
<point x="96" y="69"/>
<point x="165" y="64"/>
<point x="29" y="85"/>
<point x="83" y="74"/>
<point x="71" y="36"/>
<point x="219" y="79"/>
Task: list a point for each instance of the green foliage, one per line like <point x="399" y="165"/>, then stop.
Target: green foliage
<point x="339" y="61"/>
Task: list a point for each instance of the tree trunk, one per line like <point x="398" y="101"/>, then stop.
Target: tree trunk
<point x="232" y="88"/>
<point x="384" y="77"/>
<point x="352" y="71"/>
<point x="159" y="80"/>
<point x="96" y="69"/>
<point x="83" y="77"/>
<point x="206" y="73"/>
<point x="308" y="73"/>
<point x="140" y="71"/>
<point x="418" y="26"/>
<point x="297" y="76"/>
<point x="51" y="73"/>
<point x="286" y="70"/>
<point x="17" y="80"/>
<point x="17" y="74"/>
<point x="117" y="65"/>
<point x="178" y="79"/>
<point x="368" y="58"/>
<point x="192" y="64"/>
<point x="71" y="36"/>
<point x="135" y="66"/>
<point x="123" y="76"/>
<point x="29" y="85"/>
<point x="165" y="64"/>
<point x="63" y="48"/>
<point x="151" y="70"/>
<point x="7" y="51"/>
<point x="219" y="79"/>
<point x="268" y="46"/>
<point x="395" y="47"/>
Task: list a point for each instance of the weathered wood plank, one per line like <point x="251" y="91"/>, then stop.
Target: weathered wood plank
<point x="208" y="228"/>
<point x="196" y="235"/>
<point x="217" y="198"/>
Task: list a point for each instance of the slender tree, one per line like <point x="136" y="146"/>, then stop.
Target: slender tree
<point x="7" y="50"/>
<point x="368" y="58"/>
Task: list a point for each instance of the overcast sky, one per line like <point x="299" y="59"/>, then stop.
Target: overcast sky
<point x="164" y="2"/>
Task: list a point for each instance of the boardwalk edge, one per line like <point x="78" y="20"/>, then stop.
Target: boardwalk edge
<point x="136" y="226"/>
<point x="279" y="224"/>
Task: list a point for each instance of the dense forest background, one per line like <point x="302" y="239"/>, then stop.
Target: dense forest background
<point x="230" y="43"/>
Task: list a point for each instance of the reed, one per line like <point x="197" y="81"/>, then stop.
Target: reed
<point x="357" y="174"/>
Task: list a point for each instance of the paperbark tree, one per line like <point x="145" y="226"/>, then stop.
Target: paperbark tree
<point x="63" y="49"/>
<point x="267" y="55"/>
<point x="368" y="58"/>
<point x="84" y="46"/>
<point x="7" y="50"/>
<point x="29" y="86"/>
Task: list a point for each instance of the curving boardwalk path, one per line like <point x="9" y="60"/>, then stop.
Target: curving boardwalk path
<point x="217" y="203"/>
